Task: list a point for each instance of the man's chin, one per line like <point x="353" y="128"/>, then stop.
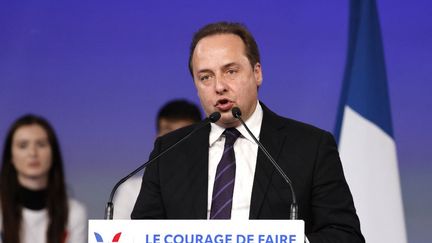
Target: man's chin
<point x="228" y="122"/>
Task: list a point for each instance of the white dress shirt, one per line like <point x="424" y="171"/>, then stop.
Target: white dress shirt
<point x="246" y="151"/>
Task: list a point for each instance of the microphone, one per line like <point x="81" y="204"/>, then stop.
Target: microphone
<point x="109" y="209"/>
<point x="294" y="208"/>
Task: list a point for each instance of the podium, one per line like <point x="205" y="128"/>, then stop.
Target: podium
<point x="196" y="231"/>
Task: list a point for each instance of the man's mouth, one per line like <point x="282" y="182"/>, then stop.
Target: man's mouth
<point x="224" y="105"/>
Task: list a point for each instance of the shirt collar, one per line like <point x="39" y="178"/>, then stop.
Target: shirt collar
<point x="254" y="123"/>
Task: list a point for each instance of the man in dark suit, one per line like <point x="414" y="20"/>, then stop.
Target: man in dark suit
<point x="220" y="173"/>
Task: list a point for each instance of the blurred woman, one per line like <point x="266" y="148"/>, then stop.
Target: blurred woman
<point x="34" y="203"/>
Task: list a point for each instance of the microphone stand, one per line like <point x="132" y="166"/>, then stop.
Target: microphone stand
<point x="293" y="208"/>
<point x="109" y="209"/>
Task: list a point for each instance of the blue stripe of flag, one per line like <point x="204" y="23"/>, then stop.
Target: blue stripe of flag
<point x="365" y="87"/>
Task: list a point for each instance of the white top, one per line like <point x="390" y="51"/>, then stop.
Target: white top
<point x="126" y="196"/>
<point x="35" y="224"/>
<point x="246" y="152"/>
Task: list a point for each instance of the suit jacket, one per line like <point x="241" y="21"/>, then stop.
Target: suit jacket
<point x="175" y="186"/>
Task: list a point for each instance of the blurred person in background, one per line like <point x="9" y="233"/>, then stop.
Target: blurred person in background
<point x="172" y="115"/>
<point x="35" y="206"/>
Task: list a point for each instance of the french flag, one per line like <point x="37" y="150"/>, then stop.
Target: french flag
<point x="364" y="131"/>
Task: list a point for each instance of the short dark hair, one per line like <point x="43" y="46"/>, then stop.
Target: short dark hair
<point x="179" y="109"/>
<point x="251" y="47"/>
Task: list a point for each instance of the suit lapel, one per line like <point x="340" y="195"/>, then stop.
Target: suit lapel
<point x="199" y="157"/>
<point x="272" y="140"/>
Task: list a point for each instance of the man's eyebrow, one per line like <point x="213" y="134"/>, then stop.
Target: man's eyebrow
<point x="204" y="71"/>
<point x="229" y="65"/>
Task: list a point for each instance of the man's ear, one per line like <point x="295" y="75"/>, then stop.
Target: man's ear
<point x="258" y="74"/>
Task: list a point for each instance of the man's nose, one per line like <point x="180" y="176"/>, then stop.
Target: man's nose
<point x="220" y="84"/>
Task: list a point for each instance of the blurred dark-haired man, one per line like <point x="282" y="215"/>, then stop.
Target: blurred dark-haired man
<point x="176" y="114"/>
<point x="171" y="116"/>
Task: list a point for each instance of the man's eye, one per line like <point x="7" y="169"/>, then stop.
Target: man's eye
<point x="231" y="73"/>
<point x="204" y="77"/>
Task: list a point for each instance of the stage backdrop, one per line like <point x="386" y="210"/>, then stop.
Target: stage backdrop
<point x="100" y="70"/>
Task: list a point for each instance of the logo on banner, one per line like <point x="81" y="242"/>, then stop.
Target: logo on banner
<point x="99" y="238"/>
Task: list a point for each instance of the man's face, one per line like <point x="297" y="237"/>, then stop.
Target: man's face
<point x="169" y="125"/>
<point x="224" y="77"/>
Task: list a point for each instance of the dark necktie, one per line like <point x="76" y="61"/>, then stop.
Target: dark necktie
<point x="223" y="187"/>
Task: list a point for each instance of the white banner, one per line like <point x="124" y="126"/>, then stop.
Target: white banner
<point x="196" y="231"/>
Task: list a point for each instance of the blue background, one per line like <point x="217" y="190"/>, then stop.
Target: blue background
<point x="99" y="71"/>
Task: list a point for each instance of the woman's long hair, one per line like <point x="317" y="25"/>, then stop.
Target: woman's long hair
<point x="57" y="205"/>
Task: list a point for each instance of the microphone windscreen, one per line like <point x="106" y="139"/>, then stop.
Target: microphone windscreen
<point x="214" y="117"/>
<point x="236" y="112"/>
